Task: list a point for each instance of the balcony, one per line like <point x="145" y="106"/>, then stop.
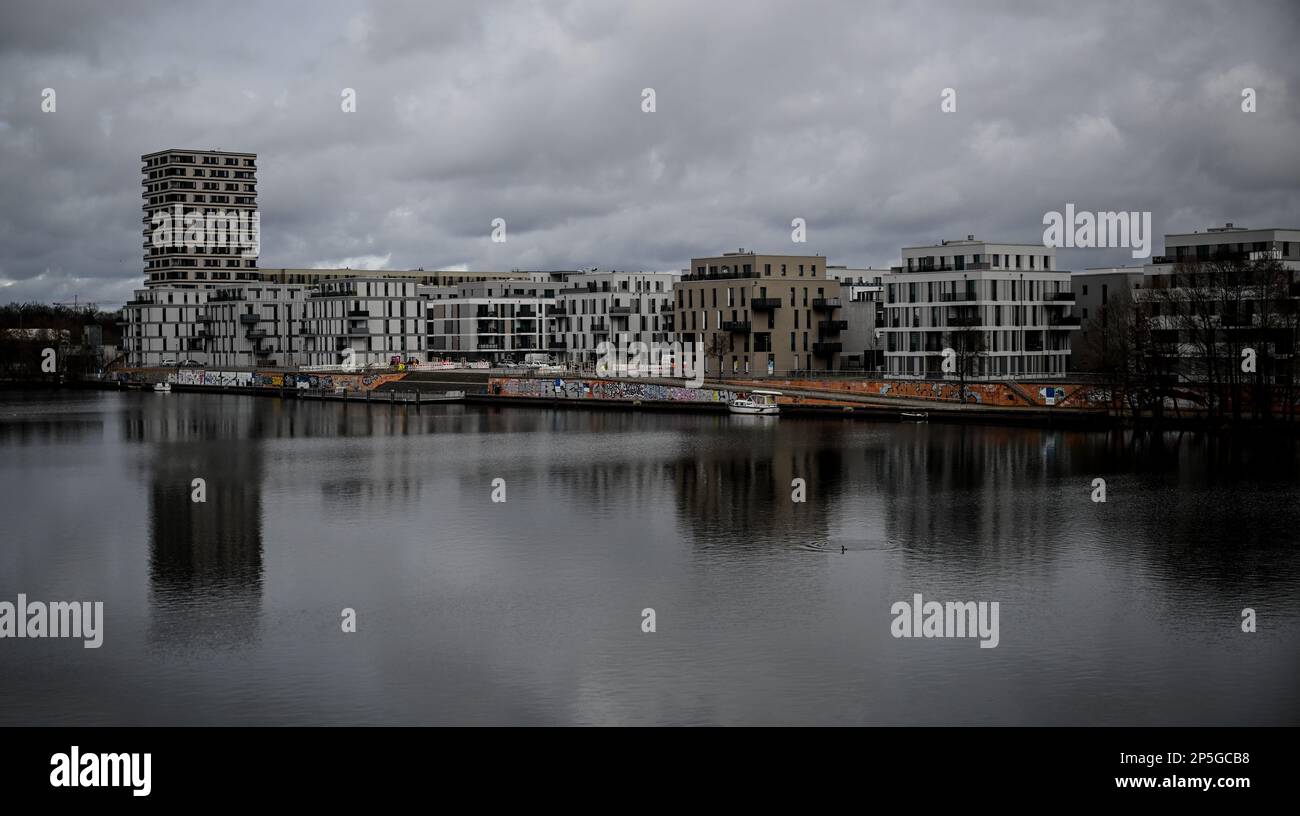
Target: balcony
<point x="832" y="326"/>
<point x="557" y="345"/>
<point x="262" y="351"/>
<point x="255" y="334"/>
<point x="957" y="297"/>
<point x="250" y="319"/>
<point x="357" y="331"/>
<point x="729" y="275"/>
<point x="358" y="313"/>
<point x="737" y="326"/>
<point x="822" y="304"/>
<point x="762" y="304"/>
<point x="965" y="321"/>
<point x="1065" y="323"/>
<point x="1061" y="297"/>
<point x="620" y="310"/>
<point x="558" y="310"/>
<point x="827" y="349"/>
<point x="599" y="327"/>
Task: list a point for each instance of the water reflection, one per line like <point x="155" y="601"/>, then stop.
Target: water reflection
<point x="205" y="557"/>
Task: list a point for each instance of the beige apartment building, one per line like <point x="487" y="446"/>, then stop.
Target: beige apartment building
<point x="752" y="314"/>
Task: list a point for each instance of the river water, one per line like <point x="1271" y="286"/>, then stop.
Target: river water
<point x="530" y="610"/>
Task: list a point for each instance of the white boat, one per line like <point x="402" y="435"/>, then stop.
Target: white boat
<point x="162" y="387"/>
<point x="758" y="402"/>
<point x="915" y="416"/>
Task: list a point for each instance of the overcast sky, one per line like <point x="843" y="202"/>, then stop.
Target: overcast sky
<point x="532" y="112"/>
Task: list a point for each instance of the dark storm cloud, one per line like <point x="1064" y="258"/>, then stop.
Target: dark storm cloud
<point x="531" y="112"/>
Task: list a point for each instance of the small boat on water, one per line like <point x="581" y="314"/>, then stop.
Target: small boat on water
<point x="162" y="387"/>
<point x="758" y="402"/>
<point x="915" y="416"/>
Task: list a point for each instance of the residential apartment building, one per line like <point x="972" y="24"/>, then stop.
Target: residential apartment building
<point x="620" y="308"/>
<point x="758" y="314"/>
<point x="161" y="326"/>
<point x="1200" y="314"/>
<point x="1003" y="308"/>
<point x="497" y="321"/>
<point x="1095" y="292"/>
<point x="201" y="223"/>
<point x="862" y="294"/>
<point x="253" y="324"/>
<point x="372" y="320"/>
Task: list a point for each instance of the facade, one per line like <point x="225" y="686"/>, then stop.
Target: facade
<point x="161" y="325"/>
<point x="200" y="217"/>
<point x="1197" y="330"/>
<point x="253" y="324"/>
<point x="1002" y="308"/>
<point x="497" y="321"/>
<point x="594" y="308"/>
<point x="1094" y="290"/>
<point x="370" y="320"/>
<point x="752" y="314"/>
<point x="862" y="293"/>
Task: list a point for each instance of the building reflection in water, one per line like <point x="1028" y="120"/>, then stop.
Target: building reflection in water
<point x="205" y="558"/>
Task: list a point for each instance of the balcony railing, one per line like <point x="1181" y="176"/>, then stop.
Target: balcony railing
<point x="249" y="319"/>
<point x="831" y="326"/>
<point x="620" y="310"/>
<point x="1061" y="297"/>
<point x="738" y="326"/>
<point x="826" y="349"/>
<point x="1065" y="322"/>
<point x="695" y="276"/>
<point x="824" y="304"/>
<point x="358" y="313"/>
<point x="956" y="297"/>
<point x="764" y="303"/>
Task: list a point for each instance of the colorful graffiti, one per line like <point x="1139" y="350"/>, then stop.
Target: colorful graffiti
<point x="259" y="379"/>
<point x="605" y="390"/>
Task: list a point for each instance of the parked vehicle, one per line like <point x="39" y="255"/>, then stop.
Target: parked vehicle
<point x="168" y="361"/>
<point x="191" y="363"/>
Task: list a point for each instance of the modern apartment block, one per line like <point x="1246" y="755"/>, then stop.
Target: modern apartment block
<point x="1096" y="291"/>
<point x="757" y="314"/>
<point x="200" y="217"/>
<point x="371" y="320"/>
<point x="253" y="324"/>
<point x="1003" y="308"/>
<point x="594" y="308"/>
<point x="1193" y="315"/>
<point x="494" y="320"/>
<point x="161" y="326"/>
<point x="862" y="296"/>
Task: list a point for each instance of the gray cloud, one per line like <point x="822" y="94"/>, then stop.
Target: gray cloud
<point x="529" y="111"/>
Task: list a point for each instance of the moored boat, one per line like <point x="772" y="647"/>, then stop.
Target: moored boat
<point x="162" y="387"/>
<point x="758" y="402"/>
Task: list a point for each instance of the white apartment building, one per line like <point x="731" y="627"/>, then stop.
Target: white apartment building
<point x="497" y="321"/>
<point x="377" y="319"/>
<point x="1005" y="306"/>
<point x="160" y="326"/>
<point x="620" y="308"/>
<point x="254" y="324"/>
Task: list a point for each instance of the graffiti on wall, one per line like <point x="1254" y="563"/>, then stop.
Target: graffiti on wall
<point x="602" y="389"/>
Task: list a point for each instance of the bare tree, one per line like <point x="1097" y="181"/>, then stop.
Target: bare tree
<point x="968" y="345"/>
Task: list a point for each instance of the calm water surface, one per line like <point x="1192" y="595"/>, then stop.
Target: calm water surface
<point x="228" y="612"/>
